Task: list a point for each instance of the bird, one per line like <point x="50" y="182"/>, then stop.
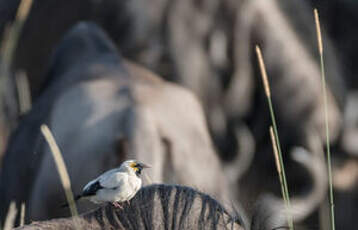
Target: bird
<point x="116" y="185"/>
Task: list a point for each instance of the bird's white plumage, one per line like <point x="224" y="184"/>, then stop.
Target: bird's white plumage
<point x="114" y="179"/>
<point x="116" y="185"/>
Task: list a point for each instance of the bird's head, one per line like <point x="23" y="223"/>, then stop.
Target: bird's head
<point x="135" y="166"/>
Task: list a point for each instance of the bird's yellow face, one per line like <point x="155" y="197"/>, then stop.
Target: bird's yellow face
<point x="134" y="166"/>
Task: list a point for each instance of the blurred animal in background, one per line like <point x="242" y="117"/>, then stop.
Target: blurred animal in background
<point x="103" y="109"/>
<point x="212" y="55"/>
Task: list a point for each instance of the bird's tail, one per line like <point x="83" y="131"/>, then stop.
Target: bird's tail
<point x="76" y="199"/>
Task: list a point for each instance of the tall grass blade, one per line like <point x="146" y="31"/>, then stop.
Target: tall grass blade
<point x="11" y="39"/>
<point x="61" y="168"/>
<point x="272" y="114"/>
<point x="277" y="162"/>
<point x="10" y="217"/>
<point x="22" y="214"/>
<point x="320" y="50"/>
<point x="9" y="43"/>
<point x="23" y="90"/>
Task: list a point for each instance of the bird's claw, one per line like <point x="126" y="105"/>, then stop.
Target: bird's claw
<point x="117" y="205"/>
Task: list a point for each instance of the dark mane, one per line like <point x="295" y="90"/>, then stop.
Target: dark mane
<point x="170" y="207"/>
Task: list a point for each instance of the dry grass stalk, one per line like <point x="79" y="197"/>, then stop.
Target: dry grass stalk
<point x="61" y="168"/>
<point x="23" y="90"/>
<point x="23" y="10"/>
<point x="15" y="31"/>
<point x="22" y="214"/>
<point x="283" y="180"/>
<point x="10" y="217"/>
<point x="8" y="46"/>
<point x="318" y="30"/>
<point x="263" y="71"/>
<point x="274" y="147"/>
<point x="279" y="171"/>
<point x="323" y="78"/>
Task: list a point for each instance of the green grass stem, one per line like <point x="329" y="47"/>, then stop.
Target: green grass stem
<point x="277" y="162"/>
<point x="323" y="78"/>
<point x="272" y="114"/>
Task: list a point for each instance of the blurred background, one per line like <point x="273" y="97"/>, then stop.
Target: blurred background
<point x="208" y="47"/>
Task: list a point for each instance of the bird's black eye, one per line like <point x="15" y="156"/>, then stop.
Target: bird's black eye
<point x="138" y="170"/>
<point x="139" y="167"/>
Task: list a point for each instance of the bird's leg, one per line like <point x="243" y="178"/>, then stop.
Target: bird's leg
<point x="128" y="202"/>
<point x="117" y="205"/>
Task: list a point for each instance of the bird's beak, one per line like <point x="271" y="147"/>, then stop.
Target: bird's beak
<point x="144" y="165"/>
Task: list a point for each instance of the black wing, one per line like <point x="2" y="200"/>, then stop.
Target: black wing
<point x="92" y="189"/>
<point x="89" y="191"/>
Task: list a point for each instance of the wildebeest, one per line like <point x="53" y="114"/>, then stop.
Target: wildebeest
<point x="212" y="55"/>
<point x="155" y="207"/>
<point x="103" y="109"/>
